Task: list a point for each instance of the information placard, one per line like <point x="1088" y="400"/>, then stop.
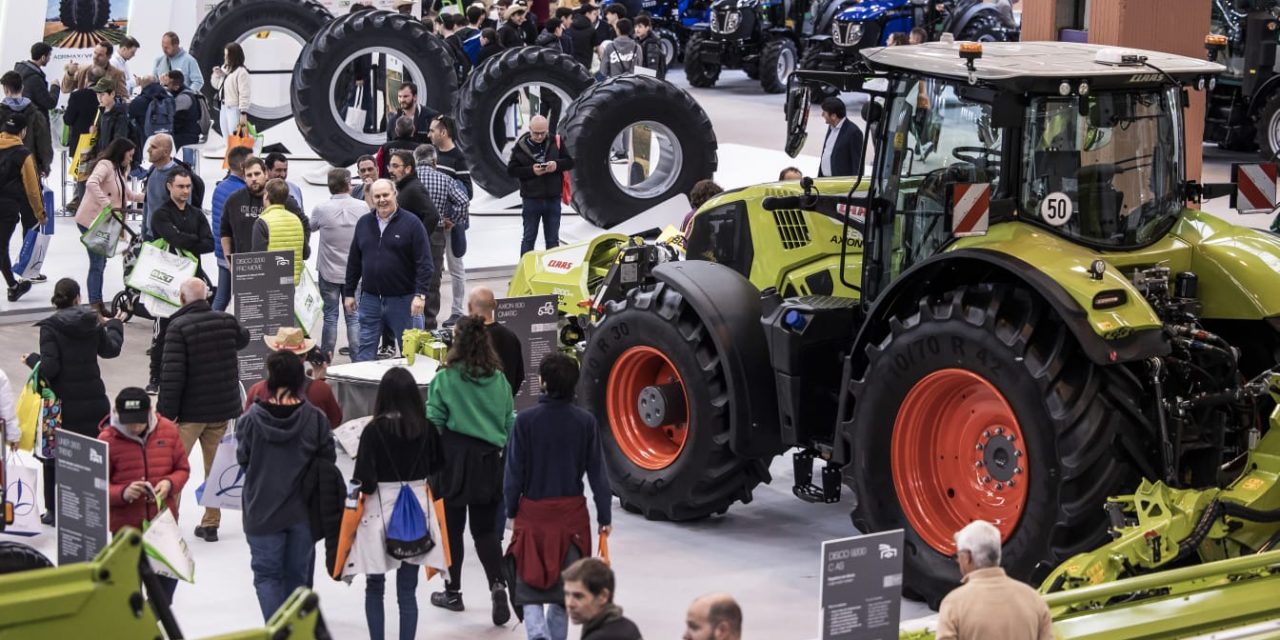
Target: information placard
<point x="862" y="587"/>
<point x="82" y="497"/>
<point x="262" y="283"/>
<point x="534" y="320"/>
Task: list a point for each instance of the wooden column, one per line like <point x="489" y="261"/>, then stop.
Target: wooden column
<point x="1172" y="26"/>
<point x="1040" y="19"/>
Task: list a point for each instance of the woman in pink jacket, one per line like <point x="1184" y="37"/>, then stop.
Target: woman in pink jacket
<point x="106" y="187"/>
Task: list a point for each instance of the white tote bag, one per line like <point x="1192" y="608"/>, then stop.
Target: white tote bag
<point x="160" y="274"/>
<point x="356" y="112"/>
<point x="225" y="484"/>
<point x="22" y="488"/>
<point x="308" y="306"/>
<point x="167" y="552"/>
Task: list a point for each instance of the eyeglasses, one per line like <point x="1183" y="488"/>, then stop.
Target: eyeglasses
<point x="537" y="134"/>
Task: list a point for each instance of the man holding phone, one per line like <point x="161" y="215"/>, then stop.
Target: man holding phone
<point x="539" y="161"/>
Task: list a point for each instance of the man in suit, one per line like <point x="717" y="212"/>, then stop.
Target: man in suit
<point x="843" y="144"/>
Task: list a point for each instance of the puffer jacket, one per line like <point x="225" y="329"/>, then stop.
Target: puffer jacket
<point x="71" y="340"/>
<point x="154" y="456"/>
<point x="199" y="377"/>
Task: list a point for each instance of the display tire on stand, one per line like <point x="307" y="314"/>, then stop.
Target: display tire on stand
<point x="491" y="82"/>
<point x="85" y="16"/>
<point x="777" y="62"/>
<point x="607" y="109"/>
<point x="231" y="19"/>
<point x="15" y="557"/>
<point x="313" y="103"/>
<point x="1037" y="435"/>
<point x="680" y="471"/>
<point x="699" y="73"/>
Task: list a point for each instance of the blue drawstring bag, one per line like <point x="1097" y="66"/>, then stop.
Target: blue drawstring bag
<point x="407" y="535"/>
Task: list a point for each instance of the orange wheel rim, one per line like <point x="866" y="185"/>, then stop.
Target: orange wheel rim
<point x="648" y="447"/>
<point x="958" y="455"/>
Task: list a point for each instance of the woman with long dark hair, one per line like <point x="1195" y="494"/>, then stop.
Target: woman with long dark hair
<point x="71" y="341"/>
<point x="398" y="448"/>
<point x="470" y="403"/>
<point x="232" y="82"/>
<point x="106" y="187"/>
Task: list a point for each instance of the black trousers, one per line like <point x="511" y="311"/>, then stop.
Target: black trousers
<point x="483" y="522"/>
<point x="158" y="332"/>
<point x="8" y="223"/>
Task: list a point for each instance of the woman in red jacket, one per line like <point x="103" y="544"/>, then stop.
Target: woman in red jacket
<point x="147" y="465"/>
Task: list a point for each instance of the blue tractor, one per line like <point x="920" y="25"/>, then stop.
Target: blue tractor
<point x="836" y="41"/>
<point x="761" y="37"/>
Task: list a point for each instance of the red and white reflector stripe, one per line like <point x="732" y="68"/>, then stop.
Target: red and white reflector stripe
<point x="1255" y="187"/>
<point x="970" y="208"/>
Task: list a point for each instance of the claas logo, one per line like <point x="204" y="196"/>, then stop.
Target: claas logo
<point x="559" y="264"/>
<point x="161" y="276"/>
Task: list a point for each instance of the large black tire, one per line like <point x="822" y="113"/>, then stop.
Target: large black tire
<point x="705" y="477"/>
<point x="85" y="15"/>
<point x="231" y="20"/>
<point x="478" y="106"/>
<point x="609" y="108"/>
<point x="1079" y="422"/>
<point x="777" y="62"/>
<point x="314" y="98"/>
<point x="15" y="557"/>
<point x="984" y="27"/>
<point x="1268" y="128"/>
<point x="698" y="72"/>
<point x="670" y="46"/>
<point x="809" y="61"/>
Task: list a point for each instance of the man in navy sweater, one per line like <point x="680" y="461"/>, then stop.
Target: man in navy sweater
<point x="551" y="447"/>
<point x="390" y="252"/>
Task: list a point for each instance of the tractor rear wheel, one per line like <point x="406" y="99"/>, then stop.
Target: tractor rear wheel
<point x="979" y="404"/>
<point x="15" y="557"/>
<point x="1268" y="128"/>
<point x="653" y="378"/>
<point x="984" y="27"/>
<point x="698" y="72"/>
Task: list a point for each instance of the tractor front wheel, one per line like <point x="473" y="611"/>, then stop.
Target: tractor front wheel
<point x="979" y="404"/>
<point x="697" y="70"/>
<point x="653" y="378"/>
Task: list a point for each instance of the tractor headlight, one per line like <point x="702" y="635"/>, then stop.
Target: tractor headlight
<point x="731" y="21"/>
<point x="847" y="34"/>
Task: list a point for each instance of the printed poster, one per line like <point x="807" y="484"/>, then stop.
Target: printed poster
<point x="74" y="27"/>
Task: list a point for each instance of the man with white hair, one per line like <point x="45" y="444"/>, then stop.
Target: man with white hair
<point x="990" y="605"/>
<point x="200" y="379"/>
<point x="390" y="263"/>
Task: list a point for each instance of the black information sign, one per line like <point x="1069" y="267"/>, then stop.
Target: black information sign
<point x="262" y="283"/>
<point x="82" y="497"/>
<point x="534" y="320"/>
<point x="862" y="587"/>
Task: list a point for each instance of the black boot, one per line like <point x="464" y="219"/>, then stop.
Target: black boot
<point x="501" y="610"/>
<point x="451" y="600"/>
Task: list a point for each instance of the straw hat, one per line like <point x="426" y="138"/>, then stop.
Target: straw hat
<point x="289" y="339"/>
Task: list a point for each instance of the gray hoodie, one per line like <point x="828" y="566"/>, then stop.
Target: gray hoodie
<point x="275" y="446"/>
<point x="620" y="56"/>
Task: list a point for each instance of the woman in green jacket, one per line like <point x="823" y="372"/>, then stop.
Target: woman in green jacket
<point x="470" y="402"/>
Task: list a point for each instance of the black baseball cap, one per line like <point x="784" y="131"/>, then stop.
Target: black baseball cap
<point x="133" y="406"/>
<point x="14" y="123"/>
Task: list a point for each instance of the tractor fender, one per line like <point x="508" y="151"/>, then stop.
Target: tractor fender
<point x="969" y="14"/>
<point x="730" y="309"/>
<point x="946" y="271"/>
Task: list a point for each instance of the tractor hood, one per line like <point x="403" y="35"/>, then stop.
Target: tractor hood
<point x="868" y="10"/>
<point x="571" y="272"/>
<point x="732" y="5"/>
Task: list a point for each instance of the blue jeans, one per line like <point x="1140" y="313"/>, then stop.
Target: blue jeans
<point x="222" y="297"/>
<point x="546" y="622"/>
<point x="332" y="295"/>
<point x="376" y="312"/>
<point x="97" y="265"/>
<point x="548" y="211"/>
<point x="375" y="586"/>
<point x="280" y="562"/>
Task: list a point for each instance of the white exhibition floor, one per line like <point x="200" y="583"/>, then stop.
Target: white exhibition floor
<point x="765" y="553"/>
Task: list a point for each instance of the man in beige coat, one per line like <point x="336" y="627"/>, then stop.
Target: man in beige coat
<point x="990" y="605"/>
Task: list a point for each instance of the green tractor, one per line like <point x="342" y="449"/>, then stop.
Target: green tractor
<point x="1013" y="317"/>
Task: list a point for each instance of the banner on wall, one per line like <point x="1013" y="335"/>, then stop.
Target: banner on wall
<point x="74" y="27"/>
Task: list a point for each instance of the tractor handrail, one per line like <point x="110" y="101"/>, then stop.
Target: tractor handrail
<point x="1162" y="579"/>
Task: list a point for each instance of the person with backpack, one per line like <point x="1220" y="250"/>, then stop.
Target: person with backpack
<point x="651" y="53"/>
<point x="152" y="110"/>
<point x="188" y="112"/>
<point x="37" y="137"/>
<point x="399" y="450"/>
<point x="20" y="194"/>
<point x="470" y="402"/>
<point x="621" y="55"/>
<point x="278" y="440"/>
<point x="160" y="155"/>
<point x="550" y="37"/>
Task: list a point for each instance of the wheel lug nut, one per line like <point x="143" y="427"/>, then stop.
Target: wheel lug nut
<point x="1012" y="437"/>
<point x="986" y="435"/>
<point x="978" y="446"/>
<point x="986" y="479"/>
<point x="1011" y="482"/>
<point x="1017" y="469"/>
<point x="999" y="430"/>
<point x="1017" y="454"/>
<point x="978" y="463"/>
<point x="1000" y="486"/>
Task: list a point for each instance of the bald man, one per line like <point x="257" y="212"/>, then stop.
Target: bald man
<point x="481" y="304"/>
<point x="715" y="616"/>
<point x="539" y="161"/>
<point x="160" y="155"/>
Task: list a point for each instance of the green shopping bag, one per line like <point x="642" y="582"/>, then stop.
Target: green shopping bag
<point x="103" y="235"/>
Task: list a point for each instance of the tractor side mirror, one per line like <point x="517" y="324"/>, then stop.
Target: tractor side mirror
<point x="968" y="208"/>
<point x="797" y="111"/>
<point x="1255" y="187"/>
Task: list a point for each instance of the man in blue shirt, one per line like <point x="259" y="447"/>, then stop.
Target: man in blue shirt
<point x="175" y="57"/>
<point x="227" y="186"/>
<point x="390" y="262"/>
<point x="160" y="155"/>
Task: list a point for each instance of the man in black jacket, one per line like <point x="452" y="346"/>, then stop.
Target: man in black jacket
<point x="414" y="198"/>
<point x="843" y="143"/>
<point x="539" y="163"/>
<point x="511" y="33"/>
<point x="184" y="227"/>
<point x="113" y="122"/>
<point x="421" y="114"/>
<point x="200" y="379"/>
<point x="584" y="35"/>
<point x="35" y="86"/>
<point x="651" y="54"/>
<point x="588" y="596"/>
<point x="242" y="208"/>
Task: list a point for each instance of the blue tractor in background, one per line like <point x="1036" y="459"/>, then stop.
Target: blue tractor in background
<point x="761" y="37"/>
<point x="837" y="39"/>
<point x="673" y="21"/>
